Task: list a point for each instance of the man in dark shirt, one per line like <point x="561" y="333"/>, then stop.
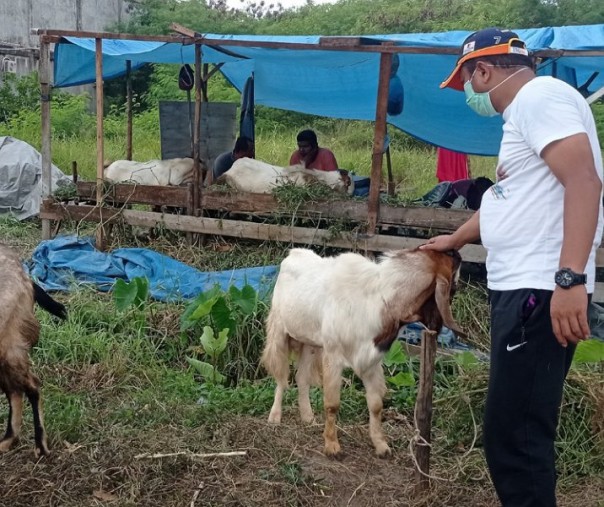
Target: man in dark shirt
<point x="244" y="147"/>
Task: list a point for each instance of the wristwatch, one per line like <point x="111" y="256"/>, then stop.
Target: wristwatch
<point x="567" y="278"/>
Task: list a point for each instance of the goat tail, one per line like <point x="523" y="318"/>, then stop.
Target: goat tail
<point x="275" y="356"/>
<point x="48" y="303"/>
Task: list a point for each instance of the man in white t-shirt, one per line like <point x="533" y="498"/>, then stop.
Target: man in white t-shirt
<point x="541" y="224"/>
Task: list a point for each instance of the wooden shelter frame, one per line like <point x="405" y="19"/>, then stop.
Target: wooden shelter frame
<point x="192" y="199"/>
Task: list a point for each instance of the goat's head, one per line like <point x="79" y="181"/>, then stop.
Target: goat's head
<point x="427" y="297"/>
<point x="347" y="181"/>
<point x="436" y="311"/>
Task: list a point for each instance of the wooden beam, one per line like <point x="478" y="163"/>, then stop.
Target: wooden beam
<point x="46" y="152"/>
<point x="181" y="39"/>
<point x="100" y="147"/>
<point x="381" y="112"/>
<point x="128" y="110"/>
<point x="423" y="410"/>
<point x="241" y="229"/>
<point x="435" y="219"/>
<point x="106" y="35"/>
<point x="215" y="69"/>
<point x="125" y="193"/>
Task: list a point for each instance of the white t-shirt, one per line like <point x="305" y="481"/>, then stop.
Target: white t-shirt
<point x="521" y="216"/>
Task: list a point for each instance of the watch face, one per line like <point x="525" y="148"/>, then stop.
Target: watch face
<point x="564" y="278"/>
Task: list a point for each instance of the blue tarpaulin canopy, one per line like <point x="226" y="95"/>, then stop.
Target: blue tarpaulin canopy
<point x="343" y="84"/>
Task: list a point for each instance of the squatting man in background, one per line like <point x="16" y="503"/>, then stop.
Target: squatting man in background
<point x="541" y="224"/>
<point x="311" y="155"/>
<point x="244" y="147"/>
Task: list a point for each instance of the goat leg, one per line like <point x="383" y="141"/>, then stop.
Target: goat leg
<point x="375" y="389"/>
<point x="33" y="395"/>
<point x="303" y="381"/>
<point x="15" y="418"/>
<point x="332" y="383"/>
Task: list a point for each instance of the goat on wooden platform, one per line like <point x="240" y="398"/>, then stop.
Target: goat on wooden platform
<point x="256" y="176"/>
<point x="346" y="311"/>
<point x="19" y="332"/>
<point x="174" y="171"/>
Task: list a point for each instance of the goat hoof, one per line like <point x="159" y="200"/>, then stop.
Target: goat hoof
<point x="41" y="451"/>
<point x="5" y="445"/>
<point x="333" y="450"/>
<point x="383" y="451"/>
<point x="274" y="418"/>
<point x="308" y="419"/>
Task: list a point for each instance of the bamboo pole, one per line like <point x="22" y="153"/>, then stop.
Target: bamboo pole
<point x="46" y="132"/>
<point x="129" y="110"/>
<point x="423" y="410"/>
<point x="378" y="141"/>
<point x="100" y="148"/>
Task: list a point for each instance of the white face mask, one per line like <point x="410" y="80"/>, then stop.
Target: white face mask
<point x="481" y="103"/>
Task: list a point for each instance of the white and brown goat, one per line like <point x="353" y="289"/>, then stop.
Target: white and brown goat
<point x="19" y="332"/>
<point x="346" y="311"/>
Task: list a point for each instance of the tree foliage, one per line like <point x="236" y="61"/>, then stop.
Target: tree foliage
<point x="361" y="17"/>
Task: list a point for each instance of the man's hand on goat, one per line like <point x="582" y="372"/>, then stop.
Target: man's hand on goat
<point x="442" y="243"/>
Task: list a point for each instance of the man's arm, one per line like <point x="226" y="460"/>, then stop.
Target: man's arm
<point x="329" y="161"/>
<point x="467" y="233"/>
<point x="571" y="160"/>
<point x="295" y="158"/>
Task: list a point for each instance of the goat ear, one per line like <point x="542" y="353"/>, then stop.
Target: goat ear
<point x="442" y="295"/>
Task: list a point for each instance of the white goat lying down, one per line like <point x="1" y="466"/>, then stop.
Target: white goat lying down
<point x="346" y="311"/>
<point x="19" y="331"/>
<point x="174" y="171"/>
<point x="251" y="175"/>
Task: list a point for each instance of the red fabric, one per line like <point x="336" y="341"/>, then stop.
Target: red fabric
<point x="324" y="161"/>
<point x="451" y="165"/>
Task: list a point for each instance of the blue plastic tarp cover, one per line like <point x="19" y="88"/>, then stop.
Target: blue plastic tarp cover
<point x="343" y="84"/>
<point x="66" y="262"/>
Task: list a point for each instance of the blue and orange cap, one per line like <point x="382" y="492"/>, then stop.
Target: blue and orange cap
<point x="487" y="42"/>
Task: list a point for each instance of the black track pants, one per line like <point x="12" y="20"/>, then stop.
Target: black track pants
<point x="528" y="368"/>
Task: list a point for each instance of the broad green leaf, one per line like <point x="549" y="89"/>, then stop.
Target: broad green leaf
<point x="246" y="299"/>
<point x="589" y="351"/>
<point x="221" y="341"/>
<point x="124" y="294"/>
<point x="402" y="379"/>
<point x="208" y="341"/>
<point x="142" y="291"/>
<point x="395" y="355"/>
<point x="203" y="309"/>
<point x="222" y="316"/>
<point x="206" y="370"/>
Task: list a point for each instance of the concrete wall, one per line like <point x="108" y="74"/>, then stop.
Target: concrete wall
<point x="17" y="17"/>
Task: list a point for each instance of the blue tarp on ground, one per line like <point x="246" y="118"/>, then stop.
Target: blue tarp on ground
<point x="68" y="261"/>
<point x="343" y="84"/>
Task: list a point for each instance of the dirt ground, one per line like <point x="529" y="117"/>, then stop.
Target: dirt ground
<point x="283" y="466"/>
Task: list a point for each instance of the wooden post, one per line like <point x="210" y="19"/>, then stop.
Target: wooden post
<point x="46" y="132"/>
<point x="423" y="409"/>
<point x="391" y="186"/>
<point x="100" y="148"/>
<point x="204" y="82"/>
<point x="129" y="110"/>
<point x="197" y="132"/>
<point x="373" y="204"/>
<point x="74" y="171"/>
